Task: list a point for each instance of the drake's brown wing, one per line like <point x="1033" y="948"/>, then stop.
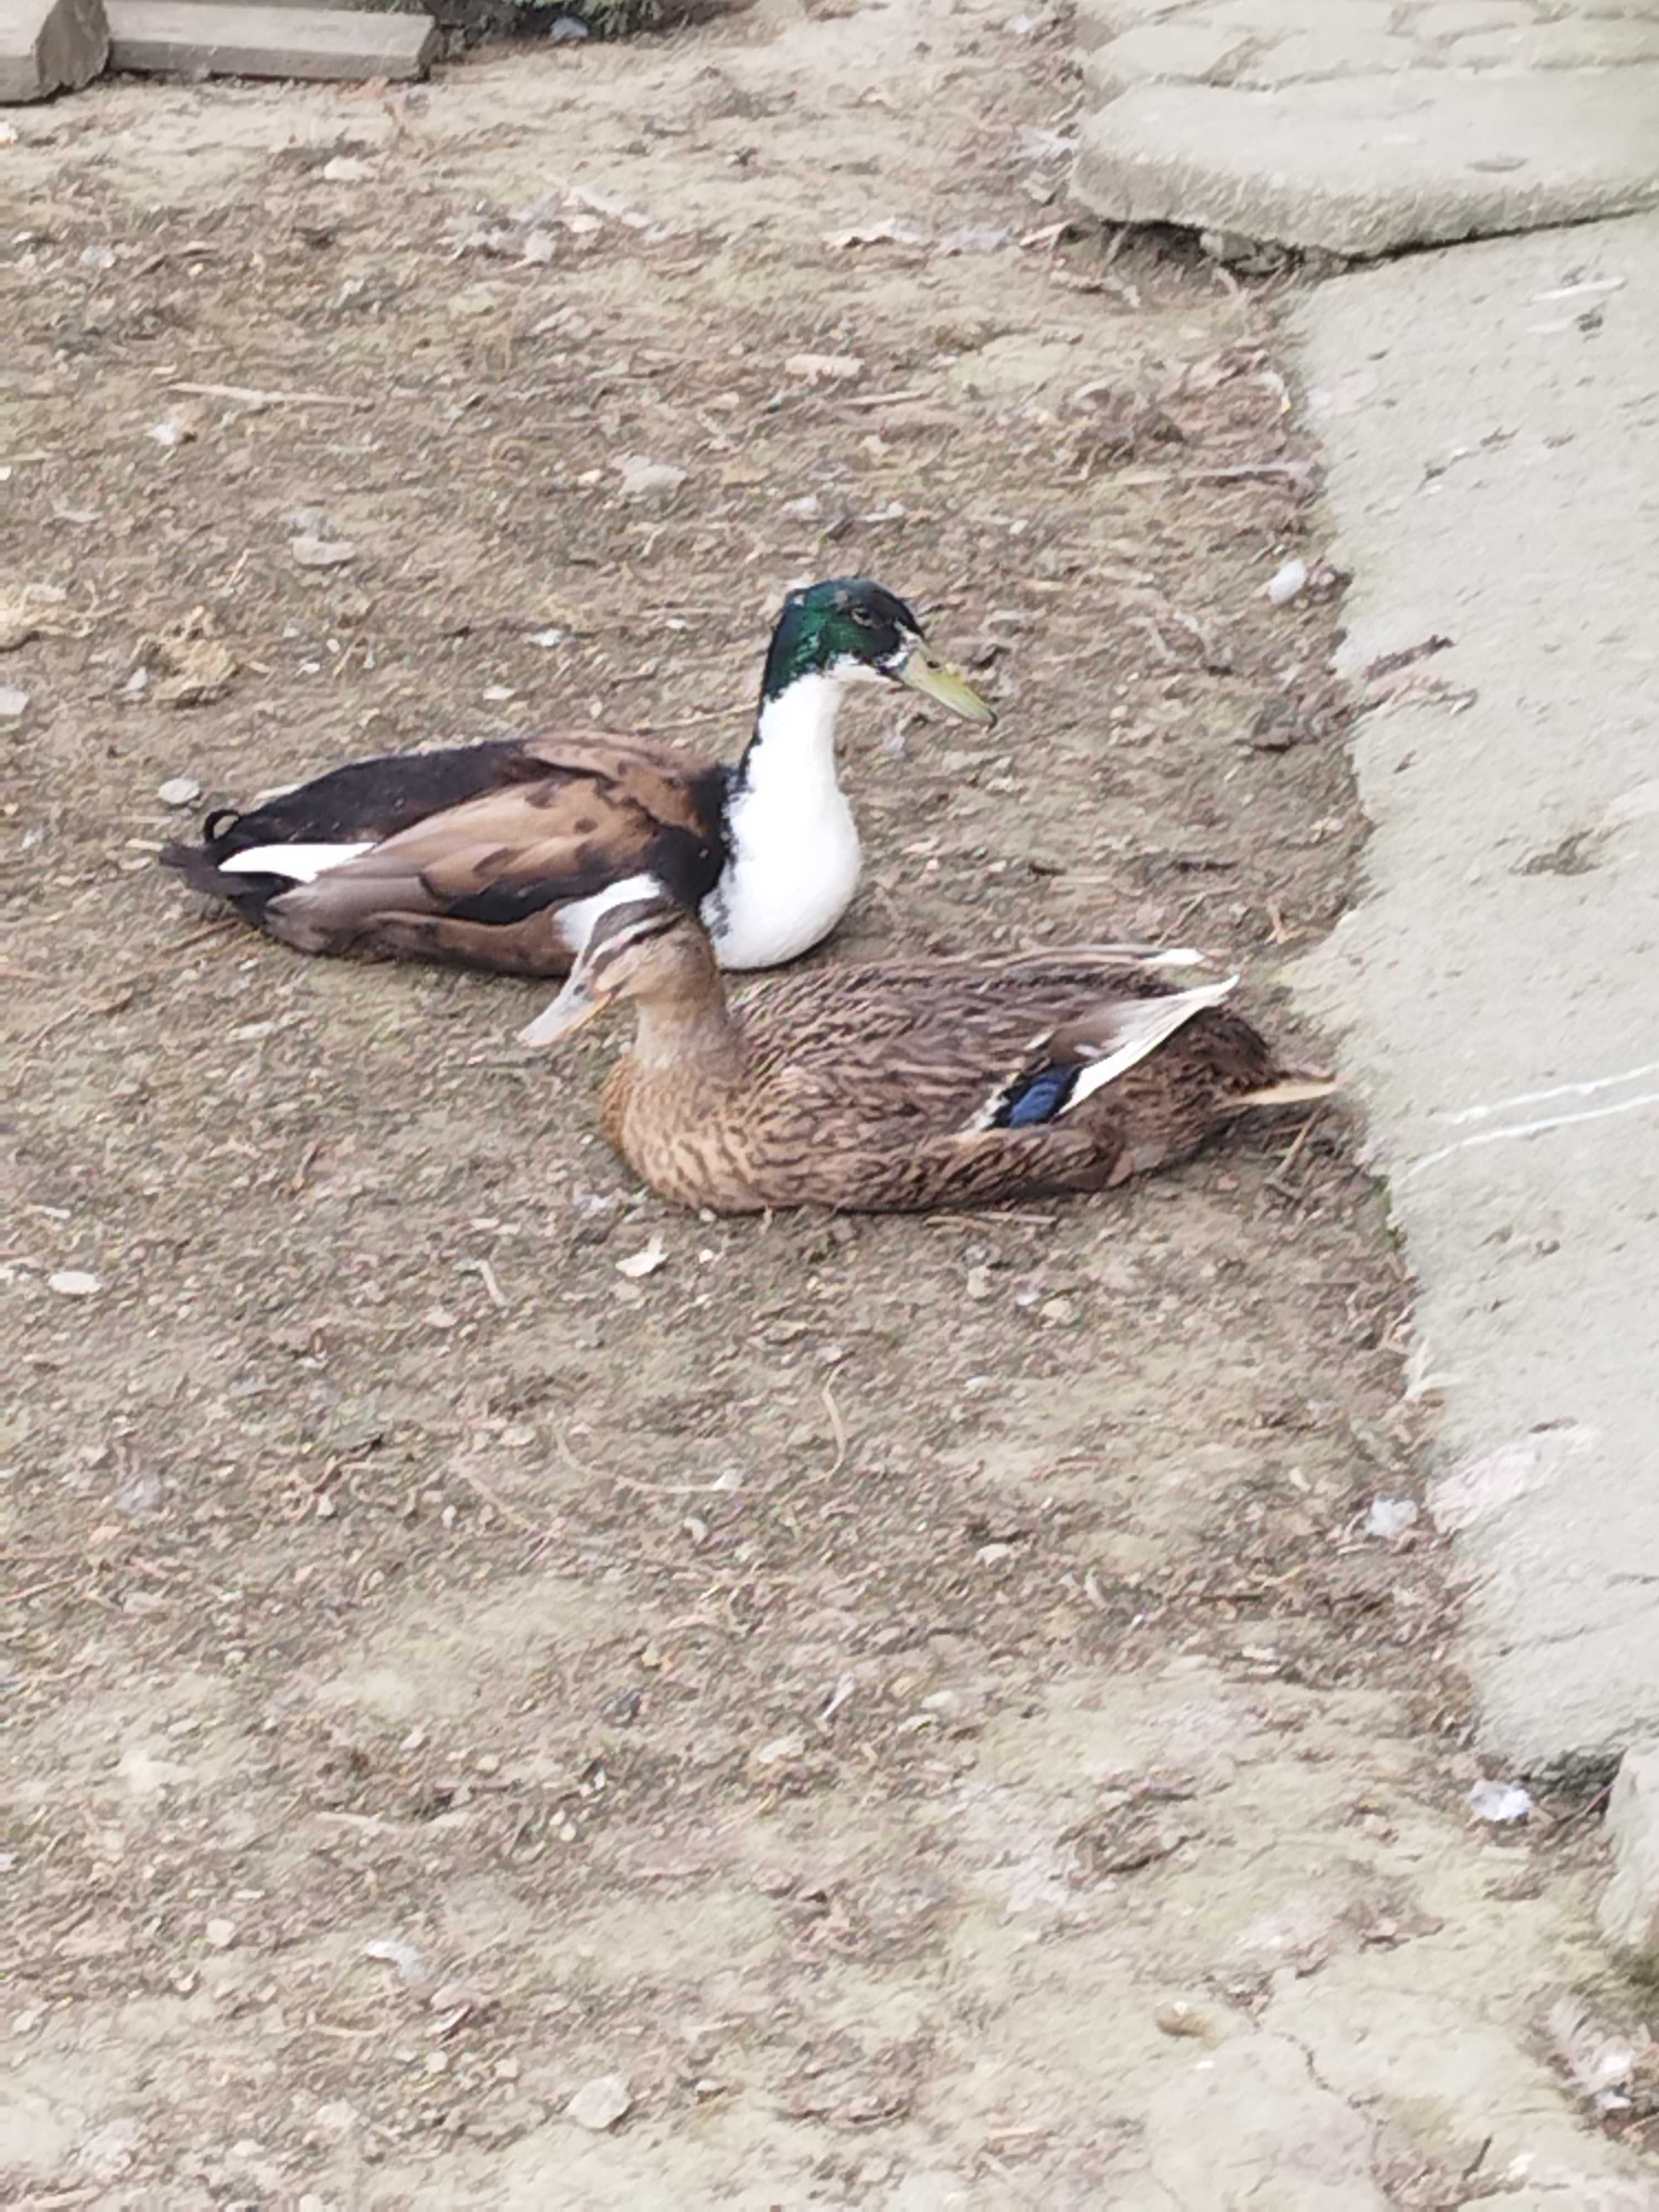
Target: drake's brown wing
<point x="505" y="861"/>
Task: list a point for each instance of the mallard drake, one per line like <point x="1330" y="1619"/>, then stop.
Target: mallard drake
<point x="896" y="1088"/>
<point x="501" y="855"/>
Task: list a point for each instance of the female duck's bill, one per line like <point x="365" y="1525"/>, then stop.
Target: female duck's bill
<point x="591" y="983"/>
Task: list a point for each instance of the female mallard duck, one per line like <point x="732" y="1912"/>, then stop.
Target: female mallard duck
<point x="895" y="1089"/>
<point x="501" y="855"/>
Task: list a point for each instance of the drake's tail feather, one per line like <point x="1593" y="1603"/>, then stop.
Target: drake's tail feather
<point x="198" y="866"/>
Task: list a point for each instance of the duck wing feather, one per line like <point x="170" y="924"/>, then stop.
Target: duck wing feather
<point x="480" y="879"/>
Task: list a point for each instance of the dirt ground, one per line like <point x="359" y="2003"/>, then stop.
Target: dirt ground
<point x="916" y="1700"/>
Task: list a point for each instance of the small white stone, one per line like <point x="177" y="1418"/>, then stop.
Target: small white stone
<point x="180" y="791"/>
<point x="392" y="1950"/>
<point x="825" y="367"/>
<point x="539" y="248"/>
<point x="345" y="169"/>
<point x="14" y="704"/>
<point x="221" y="1934"/>
<point x="1287" y="582"/>
<point x="599" y="2104"/>
<point x="640" y="477"/>
<point x="322" y="553"/>
<point x="1391" y="1517"/>
<point x="1500" y="1802"/>
<point x="73" y="1283"/>
<point x="779" y="1751"/>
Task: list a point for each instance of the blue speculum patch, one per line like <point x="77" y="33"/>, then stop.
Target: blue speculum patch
<point x="1036" y="1098"/>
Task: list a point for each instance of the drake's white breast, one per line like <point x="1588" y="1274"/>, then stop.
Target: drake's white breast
<point x="794" y="846"/>
<point x="792" y="878"/>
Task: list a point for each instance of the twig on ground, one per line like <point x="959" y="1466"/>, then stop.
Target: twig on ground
<point x="839" y="1428"/>
<point x="251" y="396"/>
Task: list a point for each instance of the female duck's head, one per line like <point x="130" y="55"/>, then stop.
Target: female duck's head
<point x="650" y="947"/>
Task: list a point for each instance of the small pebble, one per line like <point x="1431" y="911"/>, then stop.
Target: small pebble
<point x="345" y="169"/>
<point x="1391" y="1517"/>
<point x="778" y="1751"/>
<point x="1287" y="582"/>
<point x="14" y="704"/>
<point x="221" y="1934"/>
<point x="180" y="791"/>
<point x="1500" y="1802"/>
<point x="825" y="367"/>
<point x="393" y="1951"/>
<point x="71" y="1283"/>
<point x="321" y="552"/>
<point x="640" y="477"/>
<point x="599" y="2104"/>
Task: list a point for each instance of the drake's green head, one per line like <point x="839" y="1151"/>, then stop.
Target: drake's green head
<point x="856" y="631"/>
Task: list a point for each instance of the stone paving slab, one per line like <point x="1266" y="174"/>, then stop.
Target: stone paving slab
<point x="1362" y="168"/>
<point x="238" y="41"/>
<point x="50" y="46"/>
<point x="1360" y="127"/>
<point x="1491" y="422"/>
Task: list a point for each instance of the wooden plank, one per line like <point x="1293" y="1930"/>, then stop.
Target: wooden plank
<point x="191" y="38"/>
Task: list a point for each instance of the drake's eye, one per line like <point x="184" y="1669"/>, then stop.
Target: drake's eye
<point x="864" y="619"/>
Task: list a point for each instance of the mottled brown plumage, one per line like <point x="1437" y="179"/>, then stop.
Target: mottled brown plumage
<point x="476" y="854"/>
<point x="903" y="1088"/>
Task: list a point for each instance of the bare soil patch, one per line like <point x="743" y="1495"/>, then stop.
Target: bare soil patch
<point x="875" y="1685"/>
